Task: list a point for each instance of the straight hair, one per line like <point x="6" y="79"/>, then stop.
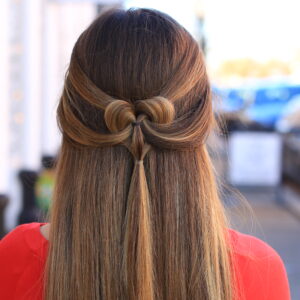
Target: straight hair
<point x="136" y="213"/>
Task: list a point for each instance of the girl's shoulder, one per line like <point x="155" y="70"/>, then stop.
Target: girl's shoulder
<point x="259" y="269"/>
<point x="23" y="253"/>
<point x="250" y="246"/>
<point x="23" y="238"/>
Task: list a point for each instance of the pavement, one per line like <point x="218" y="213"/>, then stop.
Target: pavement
<point x="273" y="215"/>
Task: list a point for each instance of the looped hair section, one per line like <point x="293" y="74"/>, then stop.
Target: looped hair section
<point x="118" y="115"/>
<point x="76" y="131"/>
<point x="156" y="116"/>
<point x="158" y="109"/>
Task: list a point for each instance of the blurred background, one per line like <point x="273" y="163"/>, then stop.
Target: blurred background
<point x="253" y="59"/>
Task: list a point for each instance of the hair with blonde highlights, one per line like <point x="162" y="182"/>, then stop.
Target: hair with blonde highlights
<point x="136" y="213"/>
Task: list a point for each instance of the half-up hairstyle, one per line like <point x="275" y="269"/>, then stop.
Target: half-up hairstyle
<point x="136" y="213"/>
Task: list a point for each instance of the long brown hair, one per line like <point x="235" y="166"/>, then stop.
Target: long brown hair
<point x="136" y="213"/>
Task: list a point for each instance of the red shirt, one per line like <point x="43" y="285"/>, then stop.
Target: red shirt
<point x="23" y="252"/>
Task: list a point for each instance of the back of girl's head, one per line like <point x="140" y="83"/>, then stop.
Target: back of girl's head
<point x="136" y="213"/>
<point x="139" y="54"/>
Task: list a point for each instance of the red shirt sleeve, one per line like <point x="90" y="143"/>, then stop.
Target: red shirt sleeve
<point x="260" y="271"/>
<point x="20" y="265"/>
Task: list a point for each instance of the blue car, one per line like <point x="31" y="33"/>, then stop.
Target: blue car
<point x="262" y="103"/>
